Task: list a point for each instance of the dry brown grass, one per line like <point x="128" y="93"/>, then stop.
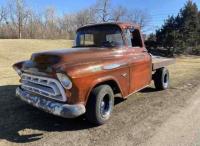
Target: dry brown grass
<point x="12" y="51"/>
<point x="186" y="68"/>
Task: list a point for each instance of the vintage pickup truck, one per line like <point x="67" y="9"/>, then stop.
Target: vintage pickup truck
<point x="107" y="59"/>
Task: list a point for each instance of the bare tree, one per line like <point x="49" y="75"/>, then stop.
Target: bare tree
<point x="17" y="20"/>
<point x="18" y="14"/>
<point x="119" y="13"/>
<point x="106" y="13"/>
<point x="30" y="26"/>
<point x="70" y="22"/>
<point x="103" y="10"/>
<point x="33" y="28"/>
<point x="51" y="22"/>
<point x="3" y="14"/>
<point x="68" y="25"/>
<point x="138" y="16"/>
<point x="85" y="16"/>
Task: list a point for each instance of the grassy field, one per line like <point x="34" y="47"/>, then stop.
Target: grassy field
<point x="12" y="51"/>
<point x="22" y="124"/>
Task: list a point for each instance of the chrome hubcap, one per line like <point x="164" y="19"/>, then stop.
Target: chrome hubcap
<point x="166" y="80"/>
<point x="105" y="106"/>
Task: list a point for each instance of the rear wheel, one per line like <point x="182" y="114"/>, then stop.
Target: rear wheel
<point x="161" y="79"/>
<point x="100" y="105"/>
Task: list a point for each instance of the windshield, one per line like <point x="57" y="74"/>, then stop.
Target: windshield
<point x="99" y="36"/>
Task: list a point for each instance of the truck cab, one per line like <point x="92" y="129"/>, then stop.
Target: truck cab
<point x="107" y="59"/>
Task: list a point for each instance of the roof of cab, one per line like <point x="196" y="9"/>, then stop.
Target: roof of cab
<point x="122" y="25"/>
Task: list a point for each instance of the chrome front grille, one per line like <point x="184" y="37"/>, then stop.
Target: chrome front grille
<point x="44" y="86"/>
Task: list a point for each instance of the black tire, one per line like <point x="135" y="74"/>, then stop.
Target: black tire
<point x="100" y="105"/>
<point x="161" y="79"/>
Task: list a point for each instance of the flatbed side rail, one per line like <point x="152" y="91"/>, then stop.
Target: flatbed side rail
<point x="159" y="62"/>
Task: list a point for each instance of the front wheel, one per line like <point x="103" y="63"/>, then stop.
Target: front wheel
<point x="161" y="79"/>
<point x="100" y="105"/>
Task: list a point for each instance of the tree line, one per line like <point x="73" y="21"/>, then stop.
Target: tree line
<point x="18" y="20"/>
<point x="181" y="33"/>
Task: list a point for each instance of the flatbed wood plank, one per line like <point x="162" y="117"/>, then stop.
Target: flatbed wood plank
<point x="159" y="62"/>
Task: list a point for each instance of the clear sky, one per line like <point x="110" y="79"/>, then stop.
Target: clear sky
<point x="158" y="9"/>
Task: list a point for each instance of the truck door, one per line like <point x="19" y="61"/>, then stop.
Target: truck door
<point x="139" y="61"/>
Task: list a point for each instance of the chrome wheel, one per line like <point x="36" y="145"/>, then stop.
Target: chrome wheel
<point x="165" y="80"/>
<point x="105" y="106"/>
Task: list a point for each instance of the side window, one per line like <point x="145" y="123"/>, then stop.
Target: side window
<point x="116" y="39"/>
<point x="136" y="38"/>
<point x="127" y="35"/>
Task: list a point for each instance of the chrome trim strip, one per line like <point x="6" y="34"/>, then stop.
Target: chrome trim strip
<point x="35" y="72"/>
<point x="111" y="66"/>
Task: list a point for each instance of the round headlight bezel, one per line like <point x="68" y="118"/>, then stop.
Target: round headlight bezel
<point x="64" y="80"/>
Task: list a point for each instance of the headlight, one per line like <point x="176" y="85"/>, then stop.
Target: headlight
<point x="65" y="81"/>
<point x="19" y="72"/>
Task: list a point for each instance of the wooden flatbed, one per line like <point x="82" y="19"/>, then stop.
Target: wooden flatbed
<point x="159" y="62"/>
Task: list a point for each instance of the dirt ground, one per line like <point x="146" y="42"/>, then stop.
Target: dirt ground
<point x="134" y="121"/>
<point x="182" y="128"/>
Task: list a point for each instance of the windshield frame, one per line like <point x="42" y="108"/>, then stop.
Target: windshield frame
<point x="102" y="25"/>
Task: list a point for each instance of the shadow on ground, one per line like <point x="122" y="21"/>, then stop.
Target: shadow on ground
<point x="15" y="116"/>
<point x="148" y="90"/>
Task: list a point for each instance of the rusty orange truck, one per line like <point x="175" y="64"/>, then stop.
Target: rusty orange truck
<point x="107" y="59"/>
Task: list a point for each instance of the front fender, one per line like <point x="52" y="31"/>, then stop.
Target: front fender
<point x="18" y="65"/>
<point x="102" y="80"/>
<point x="82" y="86"/>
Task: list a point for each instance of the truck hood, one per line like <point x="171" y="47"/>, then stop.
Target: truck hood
<point x="73" y="57"/>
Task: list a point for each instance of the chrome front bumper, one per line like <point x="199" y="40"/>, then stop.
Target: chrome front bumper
<point x="53" y="107"/>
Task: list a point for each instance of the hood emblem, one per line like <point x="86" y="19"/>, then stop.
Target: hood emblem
<point x="33" y="69"/>
<point x="124" y="75"/>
